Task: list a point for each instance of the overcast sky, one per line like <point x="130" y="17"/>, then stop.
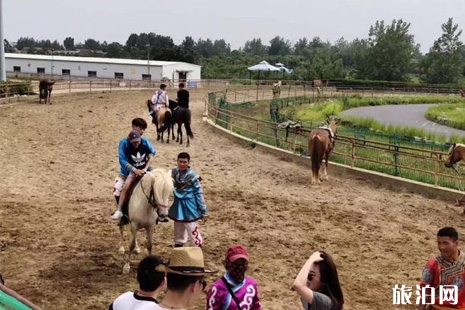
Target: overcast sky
<point x="236" y="21"/>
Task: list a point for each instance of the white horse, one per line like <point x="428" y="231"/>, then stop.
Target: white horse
<point x="148" y="200"/>
<point x="276" y="90"/>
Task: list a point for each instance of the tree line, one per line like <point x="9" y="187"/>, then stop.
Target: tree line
<point x="389" y="53"/>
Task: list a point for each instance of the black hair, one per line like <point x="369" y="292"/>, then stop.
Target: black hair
<point x="162" y="86"/>
<point x="179" y="283"/>
<point x="149" y="279"/>
<point x="139" y="122"/>
<point x="449" y="232"/>
<point x="330" y="279"/>
<point x="181" y="85"/>
<point x="184" y="155"/>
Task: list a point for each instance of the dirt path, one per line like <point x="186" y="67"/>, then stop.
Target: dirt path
<point x="58" y="245"/>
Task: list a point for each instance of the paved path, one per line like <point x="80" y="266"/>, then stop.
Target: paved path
<point x="412" y="115"/>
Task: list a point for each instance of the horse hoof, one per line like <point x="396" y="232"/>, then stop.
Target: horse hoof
<point x="121" y="250"/>
<point x="136" y="251"/>
<point x="126" y="268"/>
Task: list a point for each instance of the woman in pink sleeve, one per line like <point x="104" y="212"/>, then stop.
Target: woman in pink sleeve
<point x="234" y="290"/>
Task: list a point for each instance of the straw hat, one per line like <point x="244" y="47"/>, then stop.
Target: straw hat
<point x="186" y="261"/>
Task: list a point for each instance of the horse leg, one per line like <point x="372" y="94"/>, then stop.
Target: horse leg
<point x="136" y="247"/>
<point x="132" y="245"/>
<point x="149" y="239"/>
<point x="187" y="144"/>
<point x="121" y="247"/>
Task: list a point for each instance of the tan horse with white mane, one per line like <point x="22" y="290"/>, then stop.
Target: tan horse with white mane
<point x="149" y="199"/>
<point x="320" y="145"/>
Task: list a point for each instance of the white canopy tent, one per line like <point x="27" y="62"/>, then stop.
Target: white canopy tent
<point x="263" y="66"/>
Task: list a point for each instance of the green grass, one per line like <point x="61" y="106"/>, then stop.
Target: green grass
<point x="452" y="115"/>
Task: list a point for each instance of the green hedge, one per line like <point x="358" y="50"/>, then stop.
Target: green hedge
<point x="16" y="88"/>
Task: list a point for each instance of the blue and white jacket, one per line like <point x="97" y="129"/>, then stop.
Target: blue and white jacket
<point x="127" y="161"/>
<point x="189" y="203"/>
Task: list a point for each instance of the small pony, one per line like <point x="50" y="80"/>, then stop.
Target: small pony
<point x="456" y="153"/>
<point x="320" y="145"/>
<point x="149" y="199"/>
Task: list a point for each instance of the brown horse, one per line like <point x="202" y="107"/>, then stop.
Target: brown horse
<point x="163" y="118"/>
<point x="320" y="145"/>
<point x="45" y="90"/>
<point x="456" y="153"/>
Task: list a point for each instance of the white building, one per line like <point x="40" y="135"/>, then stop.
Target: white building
<point x="94" y="67"/>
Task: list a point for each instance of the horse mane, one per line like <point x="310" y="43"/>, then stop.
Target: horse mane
<point x="162" y="176"/>
<point x="454" y="146"/>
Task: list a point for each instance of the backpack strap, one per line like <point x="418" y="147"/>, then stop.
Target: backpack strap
<point x="228" y="286"/>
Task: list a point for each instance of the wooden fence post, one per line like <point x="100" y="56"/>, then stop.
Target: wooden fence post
<point x="352" y="164"/>
<point x="436" y="170"/>
<point x="70" y="86"/>
<point x="258" y="129"/>
<point x="90" y="86"/>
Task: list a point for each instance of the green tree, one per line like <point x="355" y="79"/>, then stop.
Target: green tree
<point x="69" y="43"/>
<point x="279" y="46"/>
<point x="255" y="47"/>
<point x="391" y="51"/>
<point x="444" y="62"/>
<point x="92" y="44"/>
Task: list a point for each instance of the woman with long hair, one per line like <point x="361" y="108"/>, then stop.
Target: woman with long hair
<point x="317" y="283"/>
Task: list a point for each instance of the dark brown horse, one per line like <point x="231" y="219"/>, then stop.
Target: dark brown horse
<point x="320" y="145"/>
<point x="181" y="115"/>
<point x="456" y="154"/>
<point x="45" y="90"/>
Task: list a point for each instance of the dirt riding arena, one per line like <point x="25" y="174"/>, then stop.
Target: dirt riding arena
<point x="59" y="247"/>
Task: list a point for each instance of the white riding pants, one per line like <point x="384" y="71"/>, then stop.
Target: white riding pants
<point x="187" y="231"/>
<point x="118" y="186"/>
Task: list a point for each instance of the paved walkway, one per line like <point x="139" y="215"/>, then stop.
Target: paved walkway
<point x="412" y="115"/>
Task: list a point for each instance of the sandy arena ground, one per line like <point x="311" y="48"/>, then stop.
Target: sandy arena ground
<point x="59" y="247"/>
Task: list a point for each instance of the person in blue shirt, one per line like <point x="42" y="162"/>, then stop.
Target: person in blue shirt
<point x="189" y="204"/>
<point x="135" y="156"/>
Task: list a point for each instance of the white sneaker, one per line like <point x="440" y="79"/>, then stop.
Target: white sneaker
<point x="117" y="215"/>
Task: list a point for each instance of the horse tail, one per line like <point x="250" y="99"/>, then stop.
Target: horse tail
<point x="188" y="124"/>
<point x="316" y="155"/>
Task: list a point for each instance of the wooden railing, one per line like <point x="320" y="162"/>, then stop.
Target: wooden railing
<point x="395" y="159"/>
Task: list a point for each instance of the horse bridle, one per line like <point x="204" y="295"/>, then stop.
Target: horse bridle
<point x="151" y="198"/>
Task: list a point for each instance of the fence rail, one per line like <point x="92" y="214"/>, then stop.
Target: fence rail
<point x="398" y="159"/>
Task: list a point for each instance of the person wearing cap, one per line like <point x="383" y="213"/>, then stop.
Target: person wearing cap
<point x="189" y="204"/>
<point x="234" y="290"/>
<point x="185" y="278"/>
<point x="151" y="283"/>
<point x="135" y="157"/>
<point x="140" y="125"/>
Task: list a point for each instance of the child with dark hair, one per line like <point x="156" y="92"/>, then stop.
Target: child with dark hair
<point x="318" y="283"/>
<point x="151" y="283"/>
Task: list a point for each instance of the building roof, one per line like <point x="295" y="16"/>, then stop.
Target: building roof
<point x="95" y="60"/>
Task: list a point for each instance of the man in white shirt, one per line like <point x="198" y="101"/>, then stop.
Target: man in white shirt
<point x="151" y="283"/>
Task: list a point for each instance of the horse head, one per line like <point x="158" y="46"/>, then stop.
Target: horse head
<point x="455" y="154"/>
<point x="161" y="186"/>
<point x="332" y="123"/>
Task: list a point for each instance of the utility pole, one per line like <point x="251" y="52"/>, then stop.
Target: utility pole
<point x="2" y="47"/>
<point x="148" y="61"/>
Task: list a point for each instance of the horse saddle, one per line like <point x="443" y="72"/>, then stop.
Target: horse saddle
<point x="125" y="218"/>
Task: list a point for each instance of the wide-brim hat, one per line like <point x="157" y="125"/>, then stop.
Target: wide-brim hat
<point x="186" y="261"/>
